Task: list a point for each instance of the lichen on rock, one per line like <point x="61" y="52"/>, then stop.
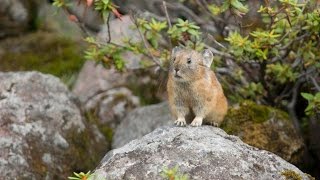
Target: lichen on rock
<point x="42" y="131"/>
<point x="203" y="153"/>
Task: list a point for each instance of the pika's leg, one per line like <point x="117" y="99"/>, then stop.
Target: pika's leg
<point x="197" y="121"/>
<point x="181" y="121"/>
<point x="199" y="112"/>
<point x="181" y="113"/>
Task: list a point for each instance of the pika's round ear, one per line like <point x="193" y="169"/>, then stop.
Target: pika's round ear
<point x="207" y="57"/>
<point x="175" y="50"/>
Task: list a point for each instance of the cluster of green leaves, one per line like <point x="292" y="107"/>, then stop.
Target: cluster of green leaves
<point x="109" y="54"/>
<point x="259" y="48"/>
<point x="104" y="7"/>
<point x="81" y="176"/>
<point x="252" y="91"/>
<point x="152" y="30"/>
<point x="236" y="6"/>
<point x="58" y="3"/>
<point x="282" y="73"/>
<point x="314" y="103"/>
<point x="173" y="174"/>
<point x="183" y="32"/>
<point x="284" y="49"/>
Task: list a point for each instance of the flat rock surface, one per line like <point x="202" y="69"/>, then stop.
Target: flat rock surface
<point x="202" y="153"/>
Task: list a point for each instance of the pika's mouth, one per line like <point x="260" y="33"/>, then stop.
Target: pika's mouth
<point x="177" y="76"/>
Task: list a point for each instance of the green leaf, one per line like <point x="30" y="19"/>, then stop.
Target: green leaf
<point x="309" y="108"/>
<point x="239" y="6"/>
<point x="192" y="32"/>
<point x="105" y="1"/>
<point x="307" y="96"/>
<point x="73" y="178"/>
<point x="180" y="21"/>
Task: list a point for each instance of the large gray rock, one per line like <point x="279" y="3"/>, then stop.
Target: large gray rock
<point x="140" y="122"/>
<point x="42" y="132"/>
<point x="202" y="153"/>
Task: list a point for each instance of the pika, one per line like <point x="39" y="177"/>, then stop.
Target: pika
<point x="194" y="92"/>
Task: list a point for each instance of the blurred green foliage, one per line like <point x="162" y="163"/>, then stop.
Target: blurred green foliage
<point x="266" y="64"/>
<point x="44" y="52"/>
<point x="314" y="103"/>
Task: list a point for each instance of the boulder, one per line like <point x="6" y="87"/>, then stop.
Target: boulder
<point x="14" y="17"/>
<point x="104" y="92"/>
<point x="266" y="128"/>
<point x="260" y="126"/>
<point x="140" y="122"/>
<point x="43" y="134"/>
<point x="199" y="152"/>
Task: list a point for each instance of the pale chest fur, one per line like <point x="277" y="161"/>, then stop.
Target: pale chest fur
<point x="194" y="93"/>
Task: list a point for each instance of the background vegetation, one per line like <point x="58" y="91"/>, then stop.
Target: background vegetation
<point x="265" y="51"/>
<point x="274" y="61"/>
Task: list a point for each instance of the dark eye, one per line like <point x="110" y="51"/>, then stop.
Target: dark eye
<point x="174" y="59"/>
<point x="189" y="60"/>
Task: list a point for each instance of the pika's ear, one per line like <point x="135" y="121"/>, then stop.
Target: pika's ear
<point x="175" y="50"/>
<point x="207" y="57"/>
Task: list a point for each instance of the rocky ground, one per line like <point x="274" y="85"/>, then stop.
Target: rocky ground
<point x="74" y="116"/>
<point x="44" y="134"/>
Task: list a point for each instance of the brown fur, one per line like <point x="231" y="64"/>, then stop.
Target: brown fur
<point x="196" y="92"/>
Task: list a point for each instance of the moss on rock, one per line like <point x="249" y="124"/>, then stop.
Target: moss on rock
<point x="266" y="128"/>
<point x="92" y="118"/>
<point x="44" y="52"/>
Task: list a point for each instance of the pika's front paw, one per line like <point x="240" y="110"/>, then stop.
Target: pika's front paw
<point x="180" y="122"/>
<point x="197" y="122"/>
<point x="215" y="124"/>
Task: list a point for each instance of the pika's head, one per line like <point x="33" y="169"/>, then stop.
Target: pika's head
<point x="189" y="65"/>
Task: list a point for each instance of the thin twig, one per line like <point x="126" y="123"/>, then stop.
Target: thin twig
<point x="182" y="8"/>
<point x="168" y="20"/>
<point x="216" y="42"/>
<point x="108" y="26"/>
<point x="296" y="39"/>
<point x="291" y="106"/>
<point x="154" y="59"/>
<point x="78" y="22"/>
<point x="315" y="83"/>
<point x="167" y="14"/>
<point x="217" y="52"/>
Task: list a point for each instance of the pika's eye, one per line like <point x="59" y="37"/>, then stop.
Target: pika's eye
<point x="189" y="60"/>
<point x="174" y="59"/>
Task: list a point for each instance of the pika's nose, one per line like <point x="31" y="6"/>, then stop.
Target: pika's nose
<point x="176" y="69"/>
